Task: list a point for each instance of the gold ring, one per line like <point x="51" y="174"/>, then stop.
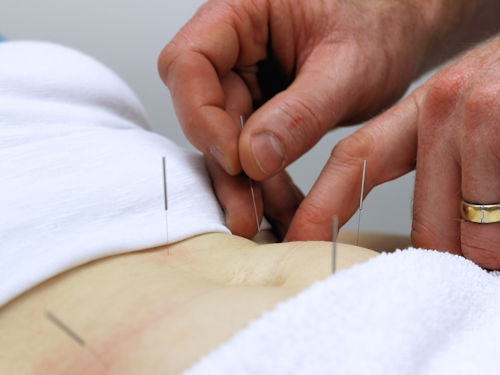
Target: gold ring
<point x="480" y="213"/>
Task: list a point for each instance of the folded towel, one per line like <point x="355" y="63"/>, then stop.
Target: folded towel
<point x="411" y="312"/>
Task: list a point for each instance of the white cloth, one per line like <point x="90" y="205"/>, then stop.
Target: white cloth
<point x="80" y="179"/>
<point x="411" y="312"/>
<point x="80" y="176"/>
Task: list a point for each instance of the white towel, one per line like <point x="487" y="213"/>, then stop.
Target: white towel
<point x="411" y="312"/>
<point x="80" y="177"/>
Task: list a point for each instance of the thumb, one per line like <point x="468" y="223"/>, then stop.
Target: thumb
<point x="388" y="144"/>
<point x="293" y="121"/>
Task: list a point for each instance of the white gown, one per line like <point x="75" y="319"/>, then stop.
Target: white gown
<point x="81" y="177"/>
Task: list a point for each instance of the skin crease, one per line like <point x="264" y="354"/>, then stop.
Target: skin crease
<point x="332" y="62"/>
<point x="159" y="310"/>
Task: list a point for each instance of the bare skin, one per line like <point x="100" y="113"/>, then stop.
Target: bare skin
<point x="159" y="310"/>
<point x="296" y="70"/>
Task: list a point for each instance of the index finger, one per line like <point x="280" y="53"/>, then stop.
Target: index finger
<point x="220" y="36"/>
<point x="388" y="144"/>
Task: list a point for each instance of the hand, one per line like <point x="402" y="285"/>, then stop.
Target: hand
<point x="278" y="195"/>
<point x="337" y="62"/>
<point x="449" y="127"/>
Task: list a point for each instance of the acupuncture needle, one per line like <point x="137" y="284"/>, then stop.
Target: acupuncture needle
<point x="361" y="200"/>
<point x="334" y="249"/>
<point x="72" y="334"/>
<point x="165" y="196"/>
<point x="252" y="190"/>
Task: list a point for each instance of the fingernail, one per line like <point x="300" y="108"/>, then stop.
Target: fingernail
<point x="219" y="156"/>
<point x="268" y="152"/>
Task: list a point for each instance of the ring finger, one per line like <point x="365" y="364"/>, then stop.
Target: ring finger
<point x="481" y="177"/>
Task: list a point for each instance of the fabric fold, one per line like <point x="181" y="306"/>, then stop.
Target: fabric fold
<point x="81" y="177"/>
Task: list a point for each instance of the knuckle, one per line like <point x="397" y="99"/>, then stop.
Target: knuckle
<point x="443" y="95"/>
<point x="358" y="146"/>
<point x="304" y="123"/>
<point x="483" y="102"/>
<point x="445" y="89"/>
<point x="166" y="60"/>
